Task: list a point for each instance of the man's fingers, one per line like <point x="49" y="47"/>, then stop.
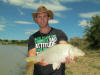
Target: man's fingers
<point x="75" y="57"/>
<point x="68" y="60"/>
<point x="45" y="64"/>
<point x="42" y="62"/>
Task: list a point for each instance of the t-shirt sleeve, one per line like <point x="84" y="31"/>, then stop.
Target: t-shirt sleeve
<point x="31" y="43"/>
<point x="62" y="36"/>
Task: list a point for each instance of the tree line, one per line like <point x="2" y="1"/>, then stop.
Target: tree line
<point x="13" y="41"/>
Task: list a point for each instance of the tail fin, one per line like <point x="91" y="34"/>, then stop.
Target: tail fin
<point x="31" y="61"/>
<point x="29" y="64"/>
<point x="29" y="71"/>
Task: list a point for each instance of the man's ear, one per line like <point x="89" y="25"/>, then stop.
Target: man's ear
<point x="48" y="17"/>
<point x="35" y="19"/>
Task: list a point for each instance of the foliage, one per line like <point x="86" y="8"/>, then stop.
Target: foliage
<point x="79" y="42"/>
<point x="18" y="42"/>
<point x="93" y="33"/>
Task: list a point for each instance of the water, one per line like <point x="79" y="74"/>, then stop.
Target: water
<point x="12" y="59"/>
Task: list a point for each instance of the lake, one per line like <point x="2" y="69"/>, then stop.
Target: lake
<point x="12" y="59"/>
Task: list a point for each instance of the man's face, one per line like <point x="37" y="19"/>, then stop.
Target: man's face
<point x="42" y="19"/>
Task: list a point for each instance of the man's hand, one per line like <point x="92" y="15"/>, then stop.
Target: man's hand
<point x="32" y="52"/>
<point x="42" y="62"/>
<point x="69" y="60"/>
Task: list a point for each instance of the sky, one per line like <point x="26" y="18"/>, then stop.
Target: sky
<point x="71" y="16"/>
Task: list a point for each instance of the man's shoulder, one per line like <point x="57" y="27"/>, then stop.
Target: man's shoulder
<point x="57" y="30"/>
<point x="34" y="34"/>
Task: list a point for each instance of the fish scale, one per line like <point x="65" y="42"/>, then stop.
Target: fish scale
<point x="56" y="54"/>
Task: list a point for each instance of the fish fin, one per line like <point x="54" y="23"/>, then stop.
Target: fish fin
<point x="29" y="64"/>
<point x="31" y="59"/>
<point x="72" y="58"/>
<point x="30" y="70"/>
<point x="56" y="66"/>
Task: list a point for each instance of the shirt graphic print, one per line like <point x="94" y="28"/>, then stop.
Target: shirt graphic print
<point x="44" y="42"/>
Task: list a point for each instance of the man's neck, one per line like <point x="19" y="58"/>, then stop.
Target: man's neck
<point x="45" y="30"/>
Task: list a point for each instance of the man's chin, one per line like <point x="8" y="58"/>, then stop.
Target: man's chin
<point x="42" y="26"/>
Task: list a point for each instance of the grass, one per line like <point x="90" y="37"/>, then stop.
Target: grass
<point x="87" y="65"/>
<point x="94" y="66"/>
<point x="69" y="72"/>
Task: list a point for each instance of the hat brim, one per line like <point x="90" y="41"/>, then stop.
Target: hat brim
<point x="49" y="12"/>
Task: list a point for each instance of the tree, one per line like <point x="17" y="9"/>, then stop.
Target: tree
<point x="93" y="32"/>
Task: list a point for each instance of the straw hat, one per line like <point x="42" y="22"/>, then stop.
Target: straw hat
<point x="42" y="9"/>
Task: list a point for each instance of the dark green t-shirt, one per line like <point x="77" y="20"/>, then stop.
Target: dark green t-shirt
<point x="42" y="41"/>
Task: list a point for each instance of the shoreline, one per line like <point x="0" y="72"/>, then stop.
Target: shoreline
<point x="14" y="44"/>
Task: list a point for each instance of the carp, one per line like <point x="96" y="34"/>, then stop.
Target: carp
<point x="56" y="54"/>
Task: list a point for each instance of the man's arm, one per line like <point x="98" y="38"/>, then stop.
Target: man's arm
<point x="32" y="52"/>
<point x="62" y="42"/>
<point x="68" y="60"/>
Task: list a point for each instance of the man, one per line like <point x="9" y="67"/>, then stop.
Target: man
<point x="43" y="39"/>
